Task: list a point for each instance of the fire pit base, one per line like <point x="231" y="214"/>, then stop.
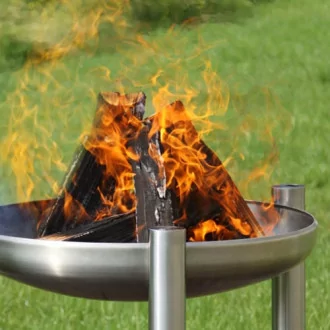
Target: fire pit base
<point x="120" y="271"/>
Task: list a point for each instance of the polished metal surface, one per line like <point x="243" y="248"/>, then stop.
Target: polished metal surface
<point x="288" y="289"/>
<point x="120" y="271"/>
<point x="167" y="288"/>
<point x="292" y="195"/>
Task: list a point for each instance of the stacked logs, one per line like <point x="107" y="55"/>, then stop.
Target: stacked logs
<point x="129" y="175"/>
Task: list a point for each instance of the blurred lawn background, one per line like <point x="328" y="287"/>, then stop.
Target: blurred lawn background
<point x="266" y="61"/>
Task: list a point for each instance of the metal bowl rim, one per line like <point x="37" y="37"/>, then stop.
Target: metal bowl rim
<point x="238" y="242"/>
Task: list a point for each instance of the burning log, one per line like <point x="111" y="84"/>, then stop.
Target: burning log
<point x="132" y="174"/>
<point x="153" y="200"/>
<point x="79" y="196"/>
<point x="198" y="177"/>
<point x="88" y="191"/>
<point x="88" y="188"/>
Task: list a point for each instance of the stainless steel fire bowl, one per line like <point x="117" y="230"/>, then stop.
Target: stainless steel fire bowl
<point x="120" y="271"/>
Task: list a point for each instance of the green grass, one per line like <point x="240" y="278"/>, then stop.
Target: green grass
<point x="275" y="64"/>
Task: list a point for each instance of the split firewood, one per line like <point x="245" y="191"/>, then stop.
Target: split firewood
<point x="153" y="199"/>
<point x="117" y="228"/>
<point x="89" y="188"/>
<point x="132" y="174"/>
<point x="198" y="177"/>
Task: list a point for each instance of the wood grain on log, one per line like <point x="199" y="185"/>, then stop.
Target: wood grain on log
<point x="153" y="200"/>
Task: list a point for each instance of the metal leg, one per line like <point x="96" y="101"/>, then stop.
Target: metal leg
<point x="288" y="289"/>
<point x="167" y="289"/>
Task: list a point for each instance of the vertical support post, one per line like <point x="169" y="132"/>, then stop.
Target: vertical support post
<point x="167" y="287"/>
<point x="288" y="289"/>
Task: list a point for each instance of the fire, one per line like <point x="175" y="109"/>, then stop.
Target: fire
<point x="210" y="230"/>
<point x="108" y="143"/>
<point x="51" y="103"/>
<point x="184" y="164"/>
<point x="73" y="207"/>
<point x="268" y="217"/>
<point x="196" y="175"/>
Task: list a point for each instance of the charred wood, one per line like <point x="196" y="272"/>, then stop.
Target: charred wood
<point x="213" y="192"/>
<point x="118" y="228"/>
<point x="154" y="156"/>
<point x="88" y="182"/>
<point x="153" y="199"/>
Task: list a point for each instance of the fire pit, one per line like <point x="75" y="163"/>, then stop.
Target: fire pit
<point x="121" y="271"/>
<point x="148" y="212"/>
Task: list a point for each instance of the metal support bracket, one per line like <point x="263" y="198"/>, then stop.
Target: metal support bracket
<point x="288" y="289"/>
<point x="167" y="287"/>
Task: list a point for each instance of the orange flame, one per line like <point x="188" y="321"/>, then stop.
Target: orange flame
<point x="72" y="206"/>
<point x="208" y="227"/>
<point x="56" y="91"/>
<point x="192" y="168"/>
<point x="115" y="126"/>
<point x="210" y="230"/>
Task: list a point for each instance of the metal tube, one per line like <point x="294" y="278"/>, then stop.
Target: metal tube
<point x="288" y="289"/>
<point x="167" y="288"/>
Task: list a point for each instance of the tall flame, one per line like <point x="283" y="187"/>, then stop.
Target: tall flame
<point x="53" y="102"/>
<point x="108" y="143"/>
